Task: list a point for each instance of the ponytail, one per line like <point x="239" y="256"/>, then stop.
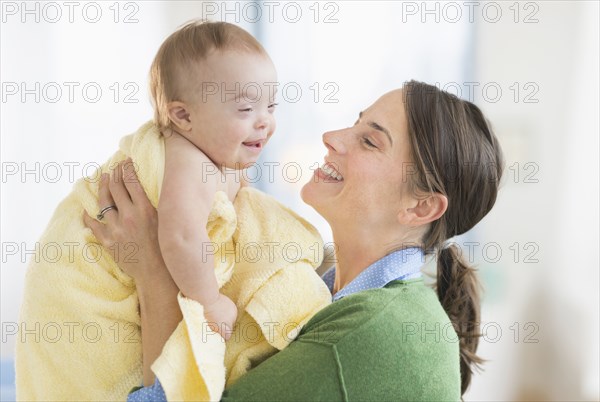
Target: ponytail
<point x="458" y="290"/>
<point x="456" y="155"/>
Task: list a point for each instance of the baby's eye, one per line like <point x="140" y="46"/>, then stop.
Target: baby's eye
<point x="272" y="105"/>
<point x="248" y="109"/>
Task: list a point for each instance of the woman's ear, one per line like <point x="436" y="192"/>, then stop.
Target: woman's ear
<point x="180" y="116"/>
<point x="424" y="210"/>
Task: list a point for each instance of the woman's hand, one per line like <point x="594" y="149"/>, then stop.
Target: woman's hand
<point x="132" y="225"/>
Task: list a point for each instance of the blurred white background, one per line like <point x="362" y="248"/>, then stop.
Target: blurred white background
<point x="74" y="80"/>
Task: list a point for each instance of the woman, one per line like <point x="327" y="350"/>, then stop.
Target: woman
<point x="419" y="167"/>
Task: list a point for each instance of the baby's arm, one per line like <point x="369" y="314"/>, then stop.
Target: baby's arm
<point x="185" y="202"/>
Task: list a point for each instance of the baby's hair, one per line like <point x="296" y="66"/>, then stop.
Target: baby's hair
<point x="180" y="54"/>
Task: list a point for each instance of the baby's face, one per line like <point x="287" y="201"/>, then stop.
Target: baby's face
<point x="232" y="107"/>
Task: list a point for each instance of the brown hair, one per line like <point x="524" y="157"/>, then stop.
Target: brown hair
<point x="455" y="154"/>
<point x="181" y="52"/>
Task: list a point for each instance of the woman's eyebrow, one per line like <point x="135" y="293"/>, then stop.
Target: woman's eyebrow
<point x="378" y="127"/>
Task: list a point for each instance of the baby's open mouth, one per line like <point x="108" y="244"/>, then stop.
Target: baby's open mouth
<point x="254" y="144"/>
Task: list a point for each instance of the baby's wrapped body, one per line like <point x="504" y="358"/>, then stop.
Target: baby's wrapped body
<point x="86" y="312"/>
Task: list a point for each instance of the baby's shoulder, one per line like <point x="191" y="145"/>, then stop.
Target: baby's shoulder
<point x="228" y="182"/>
<point x="232" y="189"/>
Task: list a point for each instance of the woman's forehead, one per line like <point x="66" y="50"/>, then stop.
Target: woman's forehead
<point x="388" y="111"/>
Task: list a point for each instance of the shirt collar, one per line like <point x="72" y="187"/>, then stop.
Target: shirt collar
<point x="402" y="264"/>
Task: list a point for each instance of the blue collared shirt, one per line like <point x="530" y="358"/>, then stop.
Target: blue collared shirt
<point x="402" y="264"/>
<point x="399" y="265"/>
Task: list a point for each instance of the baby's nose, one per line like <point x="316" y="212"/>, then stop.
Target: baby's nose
<point x="263" y="121"/>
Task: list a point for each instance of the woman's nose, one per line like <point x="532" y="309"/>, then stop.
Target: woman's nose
<point x="334" y="141"/>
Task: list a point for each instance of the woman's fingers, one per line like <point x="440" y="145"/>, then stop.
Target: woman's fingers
<point x="118" y="190"/>
<point x="98" y="229"/>
<point x="136" y="192"/>
<point x="105" y="199"/>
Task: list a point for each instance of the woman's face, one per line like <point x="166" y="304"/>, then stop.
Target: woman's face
<point x="364" y="178"/>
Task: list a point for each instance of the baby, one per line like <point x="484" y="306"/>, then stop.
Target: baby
<point x="214" y="103"/>
<point x="213" y="89"/>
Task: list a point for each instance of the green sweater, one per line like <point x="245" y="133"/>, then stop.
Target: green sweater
<point x="394" y="343"/>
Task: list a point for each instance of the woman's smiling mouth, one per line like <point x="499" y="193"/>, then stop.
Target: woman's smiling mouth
<point x="327" y="171"/>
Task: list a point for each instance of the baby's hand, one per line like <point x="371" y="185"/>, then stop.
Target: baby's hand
<point x="221" y="316"/>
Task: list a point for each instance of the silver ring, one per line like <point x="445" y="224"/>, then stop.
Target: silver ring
<point x="105" y="210"/>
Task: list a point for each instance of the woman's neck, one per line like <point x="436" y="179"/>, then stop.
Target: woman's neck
<point x="356" y="250"/>
<point x="352" y="256"/>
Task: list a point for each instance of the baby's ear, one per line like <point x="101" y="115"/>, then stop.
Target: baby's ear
<point x="180" y="116"/>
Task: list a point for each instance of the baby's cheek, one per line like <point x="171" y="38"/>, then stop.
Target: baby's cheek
<point x="239" y="137"/>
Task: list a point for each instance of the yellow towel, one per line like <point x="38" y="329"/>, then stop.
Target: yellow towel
<point x="80" y="324"/>
<point x="275" y="288"/>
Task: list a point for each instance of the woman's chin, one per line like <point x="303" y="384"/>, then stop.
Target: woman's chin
<point x="312" y="195"/>
<point x="309" y="194"/>
<point x="305" y="194"/>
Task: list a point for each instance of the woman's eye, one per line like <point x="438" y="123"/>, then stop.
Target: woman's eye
<point x="368" y="143"/>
